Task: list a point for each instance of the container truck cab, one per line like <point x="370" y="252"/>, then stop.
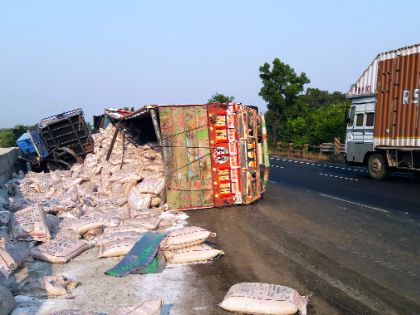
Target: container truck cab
<point x="383" y="129"/>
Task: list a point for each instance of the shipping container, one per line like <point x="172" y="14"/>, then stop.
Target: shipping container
<point x="211" y="152"/>
<point x="383" y="121"/>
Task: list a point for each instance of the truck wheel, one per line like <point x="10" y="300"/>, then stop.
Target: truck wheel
<point x="378" y="166"/>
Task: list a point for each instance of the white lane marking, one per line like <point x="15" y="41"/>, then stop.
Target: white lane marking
<point x="355" y="203"/>
<point x="341" y="177"/>
<point x="351" y="178"/>
<point x="346" y="178"/>
<point x="318" y="165"/>
<point x="336" y="167"/>
<point x="330" y="166"/>
<point x="343" y="168"/>
<point x="295" y="161"/>
<point x="308" y="163"/>
<point x="271" y="158"/>
<point x="284" y="160"/>
<point x="272" y="181"/>
<point x="335" y="176"/>
<point x="301" y="162"/>
<point x="278" y="159"/>
<point x="349" y="169"/>
<point x="277" y="166"/>
<point x="289" y="160"/>
<point x="281" y="167"/>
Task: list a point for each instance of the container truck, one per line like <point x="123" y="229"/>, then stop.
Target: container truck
<point x="212" y="153"/>
<point x="383" y="129"/>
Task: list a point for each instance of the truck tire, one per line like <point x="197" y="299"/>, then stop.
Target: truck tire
<point x="378" y="166"/>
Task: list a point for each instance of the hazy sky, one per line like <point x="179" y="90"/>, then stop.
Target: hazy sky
<point x="56" y="56"/>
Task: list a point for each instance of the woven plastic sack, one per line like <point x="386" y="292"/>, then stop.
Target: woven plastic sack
<point x="191" y="254"/>
<point x="4" y="217"/>
<point x="117" y="248"/>
<point x="264" y="298"/>
<point x="59" y="250"/>
<point x="137" y="200"/>
<point x="72" y="312"/>
<point x="143" y="308"/>
<point x="30" y="224"/>
<point x="125" y="228"/>
<point x="151" y="186"/>
<point x="115" y="236"/>
<point x="185" y="237"/>
<point x="151" y="223"/>
<point x="81" y="225"/>
<point x="47" y="286"/>
<point x="7" y="301"/>
<point x="12" y="255"/>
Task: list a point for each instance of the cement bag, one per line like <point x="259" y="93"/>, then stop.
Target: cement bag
<point x="7" y="301"/>
<point x="129" y="178"/>
<point x="58" y="232"/>
<point x="93" y="233"/>
<point x="190" y="254"/>
<point x="59" y="250"/>
<point x="155" y="167"/>
<point x="69" y="183"/>
<point x="4" y="217"/>
<point x="143" y="308"/>
<point x="125" y="228"/>
<point x="117" y="248"/>
<point x="72" y="312"/>
<point x="263" y="298"/>
<point x="185" y="237"/>
<point x="137" y="200"/>
<point x="115" y="236"/>
<point x="30" y="224"/>
<point x="149" y="223"/>
<point x="12" y="255"/>
<point x="81" y="225"/>
<point x="48" y="286"/>
<point x="145" y="213"/>
<point x="151" y="186"/>
<point x="170" y="221"/>
<point x="155" y="202"/>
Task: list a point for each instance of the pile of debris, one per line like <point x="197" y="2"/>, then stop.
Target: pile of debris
<point x="56" y="216"/>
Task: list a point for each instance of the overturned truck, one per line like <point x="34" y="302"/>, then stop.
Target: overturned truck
<point x="213" y="154"/>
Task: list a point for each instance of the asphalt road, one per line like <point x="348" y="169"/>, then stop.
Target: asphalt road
<point x="399" y="192"/>
<point x="332" y="233"/>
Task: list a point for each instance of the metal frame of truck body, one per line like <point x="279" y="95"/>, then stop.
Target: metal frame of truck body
<point x="211" y="153"/>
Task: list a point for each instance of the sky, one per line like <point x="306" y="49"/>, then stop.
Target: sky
<point x="56" y="56"/>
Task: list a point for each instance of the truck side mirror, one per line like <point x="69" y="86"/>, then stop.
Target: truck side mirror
<point x="346" y="117"/>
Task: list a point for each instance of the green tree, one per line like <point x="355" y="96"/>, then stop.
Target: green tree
<point x="9" y="136"/>
<point x="220" y="98"/>
<point x="316" y="98"/>
<point x="281" y="87"/>
<point x="89" y="126"/>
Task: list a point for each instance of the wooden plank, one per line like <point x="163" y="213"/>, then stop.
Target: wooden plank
<point x="190" y="125"/>
<point x="183" y="180"/>
<point x="206" y="177"/>
<point x="168" y="154"/>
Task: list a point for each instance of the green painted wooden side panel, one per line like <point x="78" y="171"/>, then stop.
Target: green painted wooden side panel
<point x="186" y="139"/>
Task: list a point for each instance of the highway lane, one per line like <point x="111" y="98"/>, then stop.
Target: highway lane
<point x="399" y="192"/>
<point x="349" y="242"/>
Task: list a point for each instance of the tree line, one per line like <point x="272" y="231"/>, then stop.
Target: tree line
<point x="294" y="115"/>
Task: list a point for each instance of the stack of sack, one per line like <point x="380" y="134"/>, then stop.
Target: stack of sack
<point x="58" y="215"/>
<point x="187" y="245"/>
